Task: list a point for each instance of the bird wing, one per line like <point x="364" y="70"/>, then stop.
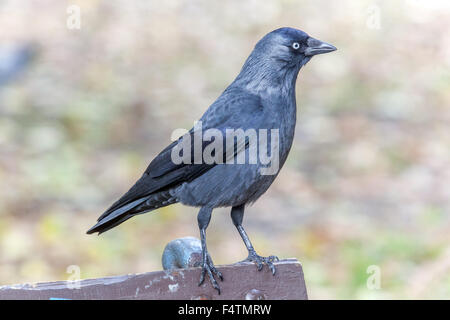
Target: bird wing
<point x="231" y="110"/>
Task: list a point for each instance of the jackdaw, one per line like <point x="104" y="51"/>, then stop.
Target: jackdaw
<point x="262" y="97"/>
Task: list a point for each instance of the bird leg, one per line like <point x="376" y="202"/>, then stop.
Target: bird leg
<point x="203" y="218"/>
<point x="237" y="215"/>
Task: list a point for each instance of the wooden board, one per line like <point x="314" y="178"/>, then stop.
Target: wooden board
<point x="241" y="281"/>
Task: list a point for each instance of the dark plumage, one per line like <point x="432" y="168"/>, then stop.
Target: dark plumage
<point x="261" y="97"/>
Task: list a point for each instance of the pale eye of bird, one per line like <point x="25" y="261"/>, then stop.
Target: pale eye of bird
<point x="296" y="45"/>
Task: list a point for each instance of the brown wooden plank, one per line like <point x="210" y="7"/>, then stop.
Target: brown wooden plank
<point x="241" y="281"/>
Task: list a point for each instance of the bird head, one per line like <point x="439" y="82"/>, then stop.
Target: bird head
<point x="279" y="55"/>
<point x="291" y="47"/>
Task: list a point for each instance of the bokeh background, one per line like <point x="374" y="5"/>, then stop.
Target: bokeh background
<point x="366" y="186"/>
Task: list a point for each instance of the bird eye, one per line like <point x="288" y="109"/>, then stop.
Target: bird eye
<point x="296" y="45"/>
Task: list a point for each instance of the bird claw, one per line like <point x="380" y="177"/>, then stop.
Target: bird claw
<point x="208" y="267"/>
<point x="260" y="261"/>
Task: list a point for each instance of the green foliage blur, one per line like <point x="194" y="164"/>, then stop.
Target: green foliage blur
<point x="367" y="183"/>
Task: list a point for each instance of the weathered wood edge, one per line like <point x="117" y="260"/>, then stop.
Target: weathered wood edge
<point x="241" y="281"/>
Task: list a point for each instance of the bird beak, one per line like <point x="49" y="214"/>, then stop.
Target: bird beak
<point x="318" y="47"/>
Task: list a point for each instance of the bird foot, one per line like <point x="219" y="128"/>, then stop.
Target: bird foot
<point x="209" y="268"/>
<point x="260" y="261"/>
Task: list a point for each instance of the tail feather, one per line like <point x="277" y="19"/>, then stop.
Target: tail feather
<point x="112" y="218"/>
<point x="101" y="227"/>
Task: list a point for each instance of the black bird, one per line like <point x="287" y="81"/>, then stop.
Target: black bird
<point x="261" y="97"/>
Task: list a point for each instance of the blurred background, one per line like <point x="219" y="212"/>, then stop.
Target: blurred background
<point x="86" y="104"/>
